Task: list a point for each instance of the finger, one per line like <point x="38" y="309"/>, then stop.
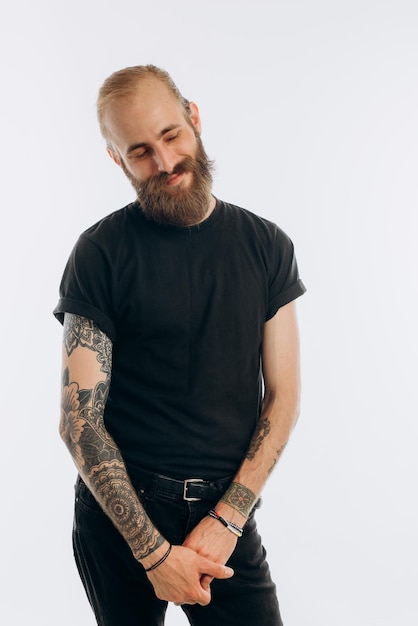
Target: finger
<point x="205" y="581"/>
<point x="218" y="571"/>
<point x="203" y="597"/>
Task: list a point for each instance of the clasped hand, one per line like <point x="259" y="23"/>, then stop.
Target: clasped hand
<point x="185" y="576"/>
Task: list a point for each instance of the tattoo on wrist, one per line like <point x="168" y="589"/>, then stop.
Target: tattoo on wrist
<point x="260" y="433"/>
<point x="240" y="498"/>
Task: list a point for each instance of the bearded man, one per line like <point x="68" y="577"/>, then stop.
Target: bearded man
<point x="180" y="375"/>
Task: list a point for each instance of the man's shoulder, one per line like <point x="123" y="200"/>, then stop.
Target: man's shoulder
<point x="112" y="224"/>
<point x="250" y="220"/>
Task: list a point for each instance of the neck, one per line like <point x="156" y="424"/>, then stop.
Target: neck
<point x="212" y="204"/>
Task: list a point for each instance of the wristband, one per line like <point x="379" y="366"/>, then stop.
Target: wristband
<point x="163" y="558"/>
<point x="236" y="530"/>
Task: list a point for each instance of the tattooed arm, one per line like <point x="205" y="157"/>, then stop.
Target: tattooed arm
<point x="280" y="360"/>
<point x="87" y="365"/>
<point x="280" y="410"/>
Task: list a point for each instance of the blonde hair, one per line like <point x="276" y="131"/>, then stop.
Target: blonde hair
<point x="125" y="82"/>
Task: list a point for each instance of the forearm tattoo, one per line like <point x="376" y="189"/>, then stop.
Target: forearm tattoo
<point x="260" y="433"/>
<point x="95" y="453"/>
<point x="240" y="498"/>
<point x="276" y="458"/>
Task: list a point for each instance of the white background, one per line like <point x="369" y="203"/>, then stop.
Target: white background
<point x="310" y="111"/>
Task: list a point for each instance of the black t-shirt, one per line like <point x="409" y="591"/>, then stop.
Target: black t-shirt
<point x="185" y="310"/>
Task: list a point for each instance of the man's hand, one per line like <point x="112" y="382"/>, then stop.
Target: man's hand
<point x="179" y="578"/>
<point x="212" y="540"/>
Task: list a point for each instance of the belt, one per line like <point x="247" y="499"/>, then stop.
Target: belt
<point x="190" y="489"/>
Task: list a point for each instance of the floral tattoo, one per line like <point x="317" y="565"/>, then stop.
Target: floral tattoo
<point x="96" y="455"/>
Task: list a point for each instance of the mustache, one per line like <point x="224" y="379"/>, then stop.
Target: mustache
<point x="187" y="165"/>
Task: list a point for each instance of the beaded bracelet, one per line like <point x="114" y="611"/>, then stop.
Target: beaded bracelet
<point x="163" y="558"/>
<point x="229" y="525"/>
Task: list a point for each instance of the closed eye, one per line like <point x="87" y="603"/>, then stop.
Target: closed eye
<point x="169" y="138"/>
<point x="140" y="154"/>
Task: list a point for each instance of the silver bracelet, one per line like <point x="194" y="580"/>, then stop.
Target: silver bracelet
<point x="236" y="530"/>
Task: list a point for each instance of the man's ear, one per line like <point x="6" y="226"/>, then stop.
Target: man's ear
<point x="113" y="155"/>
<point x="195" y="117"/>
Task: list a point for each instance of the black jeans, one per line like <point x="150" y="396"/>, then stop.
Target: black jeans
<point x="119" y="591"/>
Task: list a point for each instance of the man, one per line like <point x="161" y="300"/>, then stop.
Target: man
<point x="178" y="310"/>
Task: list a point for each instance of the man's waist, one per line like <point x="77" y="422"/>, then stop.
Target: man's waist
<point x="190" y="489"/>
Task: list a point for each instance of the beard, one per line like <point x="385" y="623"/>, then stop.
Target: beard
<point x="179" y="207"/>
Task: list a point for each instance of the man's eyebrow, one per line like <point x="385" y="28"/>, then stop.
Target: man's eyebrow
<point x="143" y="144"/>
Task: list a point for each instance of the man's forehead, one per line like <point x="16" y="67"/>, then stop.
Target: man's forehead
<point x="149" y="108"/>
<point x="147" y="97"/>
<point x="146" y="91"/>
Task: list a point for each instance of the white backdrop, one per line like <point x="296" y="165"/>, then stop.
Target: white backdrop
<point x="310" y="111"/>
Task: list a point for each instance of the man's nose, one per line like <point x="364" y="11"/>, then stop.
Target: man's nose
<point x="165" y="159"/>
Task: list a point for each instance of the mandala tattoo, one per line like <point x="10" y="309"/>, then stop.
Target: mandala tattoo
<point x="117" y="497"/>
<point x="240" y="498"/>
<point x="94" y="451"/>
<point x="261" y="432"/>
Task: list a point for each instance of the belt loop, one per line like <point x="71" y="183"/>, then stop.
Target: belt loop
<point x="153" y="486"/>
<point x="221" y="485"/>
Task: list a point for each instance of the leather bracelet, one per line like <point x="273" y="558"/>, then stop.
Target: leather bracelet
<point x="236" y="530"/>
<point x="163" y="558"/>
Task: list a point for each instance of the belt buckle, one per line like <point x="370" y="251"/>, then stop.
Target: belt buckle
<point x="186" y="484"/>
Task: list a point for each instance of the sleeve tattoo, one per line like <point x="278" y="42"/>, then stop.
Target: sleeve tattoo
<point x="95" y="453"/>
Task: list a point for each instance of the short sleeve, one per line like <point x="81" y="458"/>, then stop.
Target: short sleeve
<point x="86" y="286"/>
<point x="285" y="283"/>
